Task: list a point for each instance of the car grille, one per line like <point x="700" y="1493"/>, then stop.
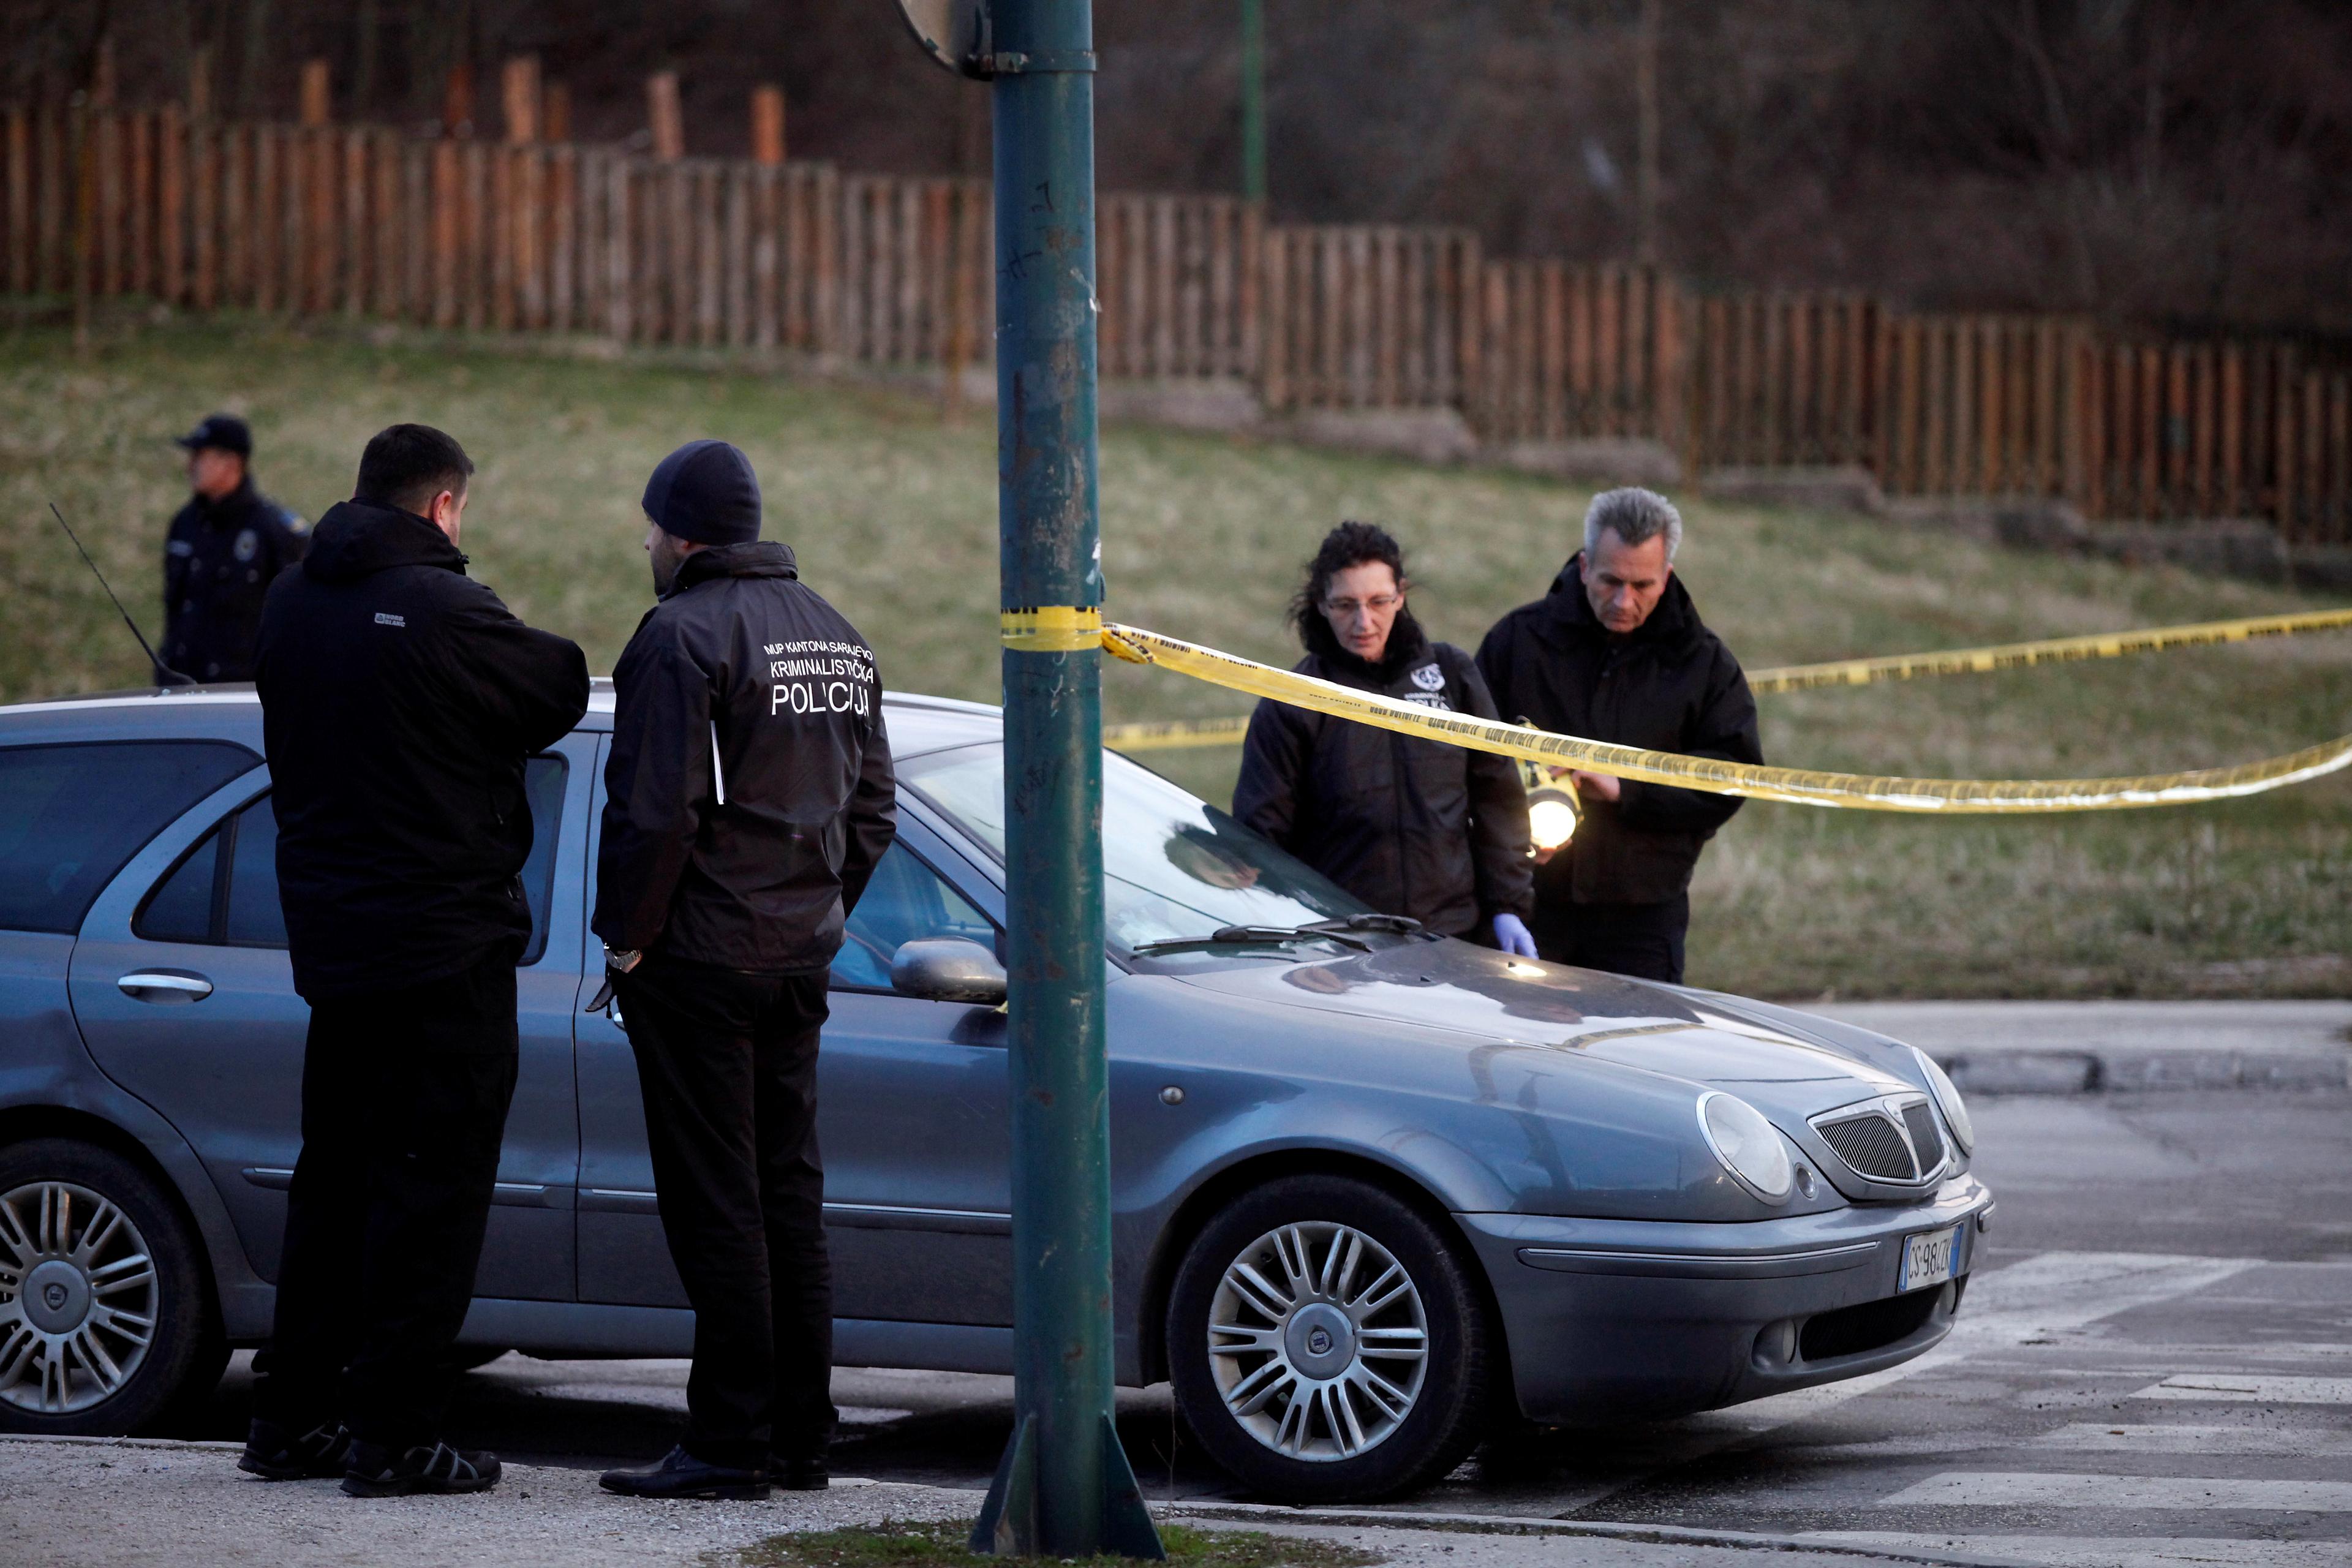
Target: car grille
<point x="1871" y="1145"/>
<point x="1925" y="1137"/>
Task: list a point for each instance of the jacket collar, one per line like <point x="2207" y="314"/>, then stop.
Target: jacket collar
<point x="1408" y="645"/>
<point x="357" y="537"/>
<point x="1671" y="628"/>
<point x="756" y="558"/>
<point x="237" y="500"/>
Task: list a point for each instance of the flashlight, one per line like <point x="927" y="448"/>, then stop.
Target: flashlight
<point x="1551" y="816"/>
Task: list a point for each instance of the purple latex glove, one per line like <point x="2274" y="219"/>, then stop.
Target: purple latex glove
<point x="1511" y="934"/>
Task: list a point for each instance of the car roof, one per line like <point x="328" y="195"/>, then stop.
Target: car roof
<point x="233" y="713"/>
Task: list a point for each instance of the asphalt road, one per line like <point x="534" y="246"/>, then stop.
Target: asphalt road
<point x="2154" y="1364"/>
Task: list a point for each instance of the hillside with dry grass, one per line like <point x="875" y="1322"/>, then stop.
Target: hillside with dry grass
<point x="893" y="514"/>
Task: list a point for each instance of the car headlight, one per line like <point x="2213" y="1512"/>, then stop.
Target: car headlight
<point x="1748" y="1146"/>
<point x="1947" y="1100"/>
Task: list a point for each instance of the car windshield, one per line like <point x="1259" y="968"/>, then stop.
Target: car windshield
<point x="1173" y="866"/>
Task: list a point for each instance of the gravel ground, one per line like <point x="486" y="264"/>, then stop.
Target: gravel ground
<point x="128" y="1504"/>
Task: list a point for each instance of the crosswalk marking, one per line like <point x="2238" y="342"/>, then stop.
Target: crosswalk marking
<point x="2026" y="1303"/>
<point x="2262" y="1350"/>
<point x="2100" y="1551"/>
<point x="2010" y="1489"/>
<point x="2095" y="1436"/>
<point x="2237" y="1385"/>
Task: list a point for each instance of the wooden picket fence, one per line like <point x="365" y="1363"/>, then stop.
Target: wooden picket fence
<point x="377" y="224"/>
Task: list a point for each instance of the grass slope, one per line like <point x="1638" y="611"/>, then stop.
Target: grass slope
<point x="894" y="517"/>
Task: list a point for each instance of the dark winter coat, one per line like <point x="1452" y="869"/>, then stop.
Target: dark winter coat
<point x="1668" y="685"/>
<point x="220" y="559"/>
<point x="1411" y="827"/>
<point x="399" y="701"/>
<point x="749" y="793"/>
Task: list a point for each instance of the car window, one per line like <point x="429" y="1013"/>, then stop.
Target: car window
<point x="71" y="816"/>
<point x="254" y="918"/>
<point x="181" y="907"/>
<point x="1173" y="866"/>
<point x="203" y="900"/>
<point x="542" y="782"/>
<point x="905" y="899"/>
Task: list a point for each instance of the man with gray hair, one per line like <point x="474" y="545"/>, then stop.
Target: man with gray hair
<point x="1616" y="652"/>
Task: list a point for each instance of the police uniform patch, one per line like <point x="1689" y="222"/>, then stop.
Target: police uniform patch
<point x="248" y="544"/>
<point x="1429" y="678"/>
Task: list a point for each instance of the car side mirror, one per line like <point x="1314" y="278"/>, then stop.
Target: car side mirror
<point x="948" y="969"/>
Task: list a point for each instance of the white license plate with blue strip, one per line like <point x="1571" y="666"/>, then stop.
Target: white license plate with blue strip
<point x="1930" y="1258"/>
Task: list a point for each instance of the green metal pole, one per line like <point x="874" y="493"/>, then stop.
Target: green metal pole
<point x="1254" y="99"/>
<point x="1064" y="1489"/>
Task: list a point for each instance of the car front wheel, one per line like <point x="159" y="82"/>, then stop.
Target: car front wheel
<point x="101" y="1311"/>
<point x="1327" y="1342"/>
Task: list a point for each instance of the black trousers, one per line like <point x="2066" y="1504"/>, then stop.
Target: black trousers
<point x="728" y="1064"/>
<point x="404" y="1097"/>
<point x="1645" y="940"/>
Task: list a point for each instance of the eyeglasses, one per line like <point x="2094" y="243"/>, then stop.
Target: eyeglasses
<point x="1379" y="604"/>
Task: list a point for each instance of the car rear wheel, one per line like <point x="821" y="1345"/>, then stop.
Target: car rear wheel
<point x="103" y="1315"/>
<point x="1327" y="1342"/>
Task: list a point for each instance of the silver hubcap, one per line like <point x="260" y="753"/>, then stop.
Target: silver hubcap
<point x="1318" y="1341"/>
<point x="77" y="1297"/>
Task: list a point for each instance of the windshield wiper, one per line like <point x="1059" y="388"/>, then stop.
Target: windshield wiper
<point x="1339" y="931"/>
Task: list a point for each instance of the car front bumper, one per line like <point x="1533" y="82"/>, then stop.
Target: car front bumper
<point x="1609" y="1320"/>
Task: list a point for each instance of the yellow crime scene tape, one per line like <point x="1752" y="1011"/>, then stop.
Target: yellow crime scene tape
<point x="2048" y="650"/>
<point x="1071" y="629"/>
<point x="1055" y="628"/>
<point x="1179" y="733"/>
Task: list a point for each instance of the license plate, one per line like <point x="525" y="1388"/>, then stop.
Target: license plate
<point x="1928" y="1259"/>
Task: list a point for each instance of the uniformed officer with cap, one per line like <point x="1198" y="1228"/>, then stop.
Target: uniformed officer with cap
<point x="224" y="548"/>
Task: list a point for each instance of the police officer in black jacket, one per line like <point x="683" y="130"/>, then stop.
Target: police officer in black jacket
<point x="1616" y="652"/>
<point x="399" y="700"/>
<point x="224" y="549"/>
<point x="749" y="795"/>
<point x="1412" y="826"/>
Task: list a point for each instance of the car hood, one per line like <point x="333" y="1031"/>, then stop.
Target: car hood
<point x="1456" y="990"/>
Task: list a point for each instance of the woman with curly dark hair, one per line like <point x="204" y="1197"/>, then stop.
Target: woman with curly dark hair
<point x="1411" y="827"/>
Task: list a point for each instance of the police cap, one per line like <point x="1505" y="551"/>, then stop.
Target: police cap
<point x="225" y="432"/>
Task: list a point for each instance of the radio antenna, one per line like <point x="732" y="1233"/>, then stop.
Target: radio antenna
<point x="164" y="674"/>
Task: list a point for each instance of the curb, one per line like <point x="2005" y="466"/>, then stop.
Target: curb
<point x="192" y="1445"/>
<point x="1515" y="1524"/>
<point x="206" y="1445"/>
<point x="2096" y="1072"/>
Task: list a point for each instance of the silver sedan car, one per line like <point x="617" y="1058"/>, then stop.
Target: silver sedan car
<point x="1375" y="1190"/>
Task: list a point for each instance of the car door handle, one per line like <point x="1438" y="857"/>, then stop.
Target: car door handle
<point x="166" y="986"/>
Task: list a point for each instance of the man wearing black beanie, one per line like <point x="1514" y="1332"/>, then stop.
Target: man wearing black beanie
<point x="749" y="795"/>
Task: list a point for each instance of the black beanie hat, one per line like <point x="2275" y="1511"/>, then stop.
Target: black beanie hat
<point x="706" y="491"/>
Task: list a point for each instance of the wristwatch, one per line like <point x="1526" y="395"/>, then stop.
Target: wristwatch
<point x="621" y="960"/>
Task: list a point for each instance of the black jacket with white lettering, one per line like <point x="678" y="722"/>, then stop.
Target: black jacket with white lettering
<point x="399" y="702"/>
<point x="749" y="793"/>
<point x="1411" y="827"/>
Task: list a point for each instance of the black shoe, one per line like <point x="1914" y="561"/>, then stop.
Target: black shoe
<point x="800" y="1474"/>
<point x="681" y="1475"/>
<point x="270" y="1453"/>
<point x="436" y="1467"/>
